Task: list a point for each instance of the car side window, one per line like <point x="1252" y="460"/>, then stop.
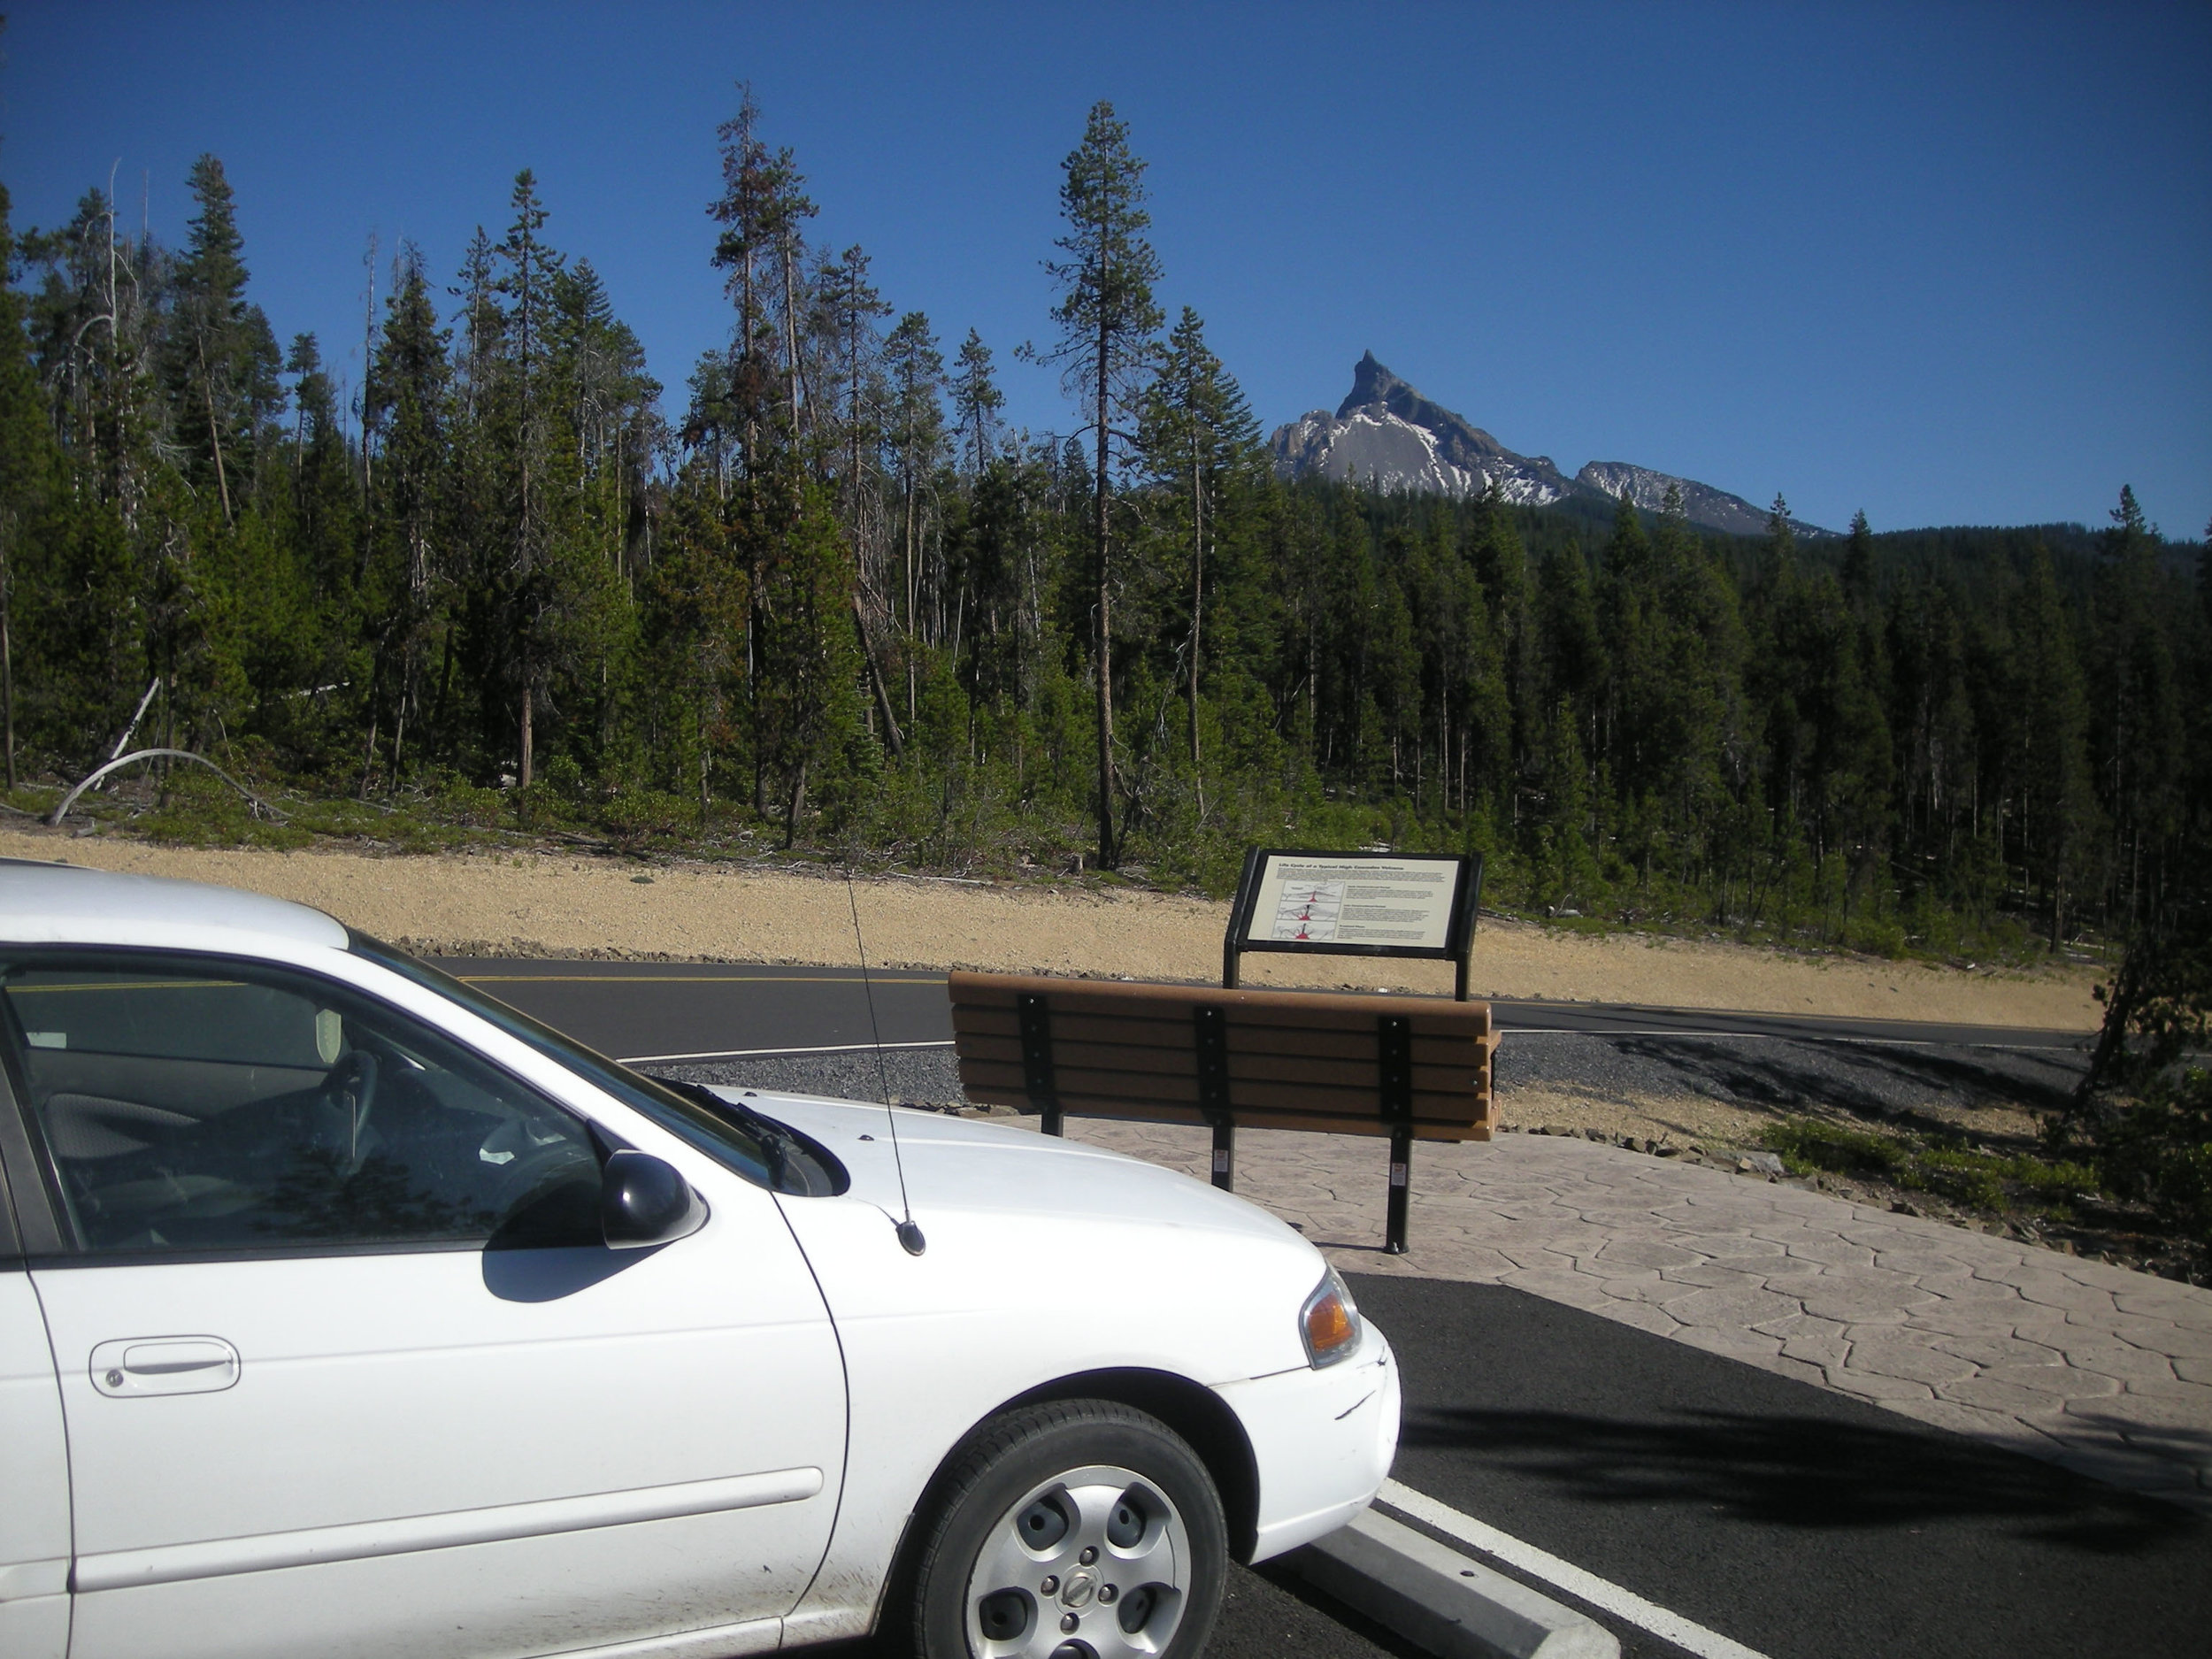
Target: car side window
<point x="197" y="1104"/>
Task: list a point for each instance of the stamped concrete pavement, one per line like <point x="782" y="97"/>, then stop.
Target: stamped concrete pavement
<point x="2105" y="1370"/>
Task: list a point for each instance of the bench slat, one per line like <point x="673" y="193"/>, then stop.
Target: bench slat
<point x="1308" y="1009"/>
<point x="1451" y="1049"/>
<point x="1465" y="1075"/>
<point x="1313" y="1122"/>
<point x="977" y="1076"/>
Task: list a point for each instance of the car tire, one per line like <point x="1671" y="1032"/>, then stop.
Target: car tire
<point x="1079" y="1529"/>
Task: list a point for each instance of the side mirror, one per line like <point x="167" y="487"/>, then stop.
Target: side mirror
<point x="644" y="1201"/>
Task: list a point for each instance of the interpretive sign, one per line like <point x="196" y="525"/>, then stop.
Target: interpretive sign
<point x="1354" y="904"/>
<point x="1393" y="902"/>
<point x="1363" y="905"/>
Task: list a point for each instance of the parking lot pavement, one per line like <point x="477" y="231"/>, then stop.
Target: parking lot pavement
<point x="1794" y="1521"/>
<point x="1265" y="1614"/>
<point x="2102" y="1369"/>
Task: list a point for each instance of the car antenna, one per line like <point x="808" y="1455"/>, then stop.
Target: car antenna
<point x="909" y="1231"/>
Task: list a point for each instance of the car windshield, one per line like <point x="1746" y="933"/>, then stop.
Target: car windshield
<point x="755" y="1147"/>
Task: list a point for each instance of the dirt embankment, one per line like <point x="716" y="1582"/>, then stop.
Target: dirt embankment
<point x="547" y="905"/>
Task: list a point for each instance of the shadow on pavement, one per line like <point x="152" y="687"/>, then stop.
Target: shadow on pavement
<point x="1866" y="1079"/>
<point x="1799" y="1471"/>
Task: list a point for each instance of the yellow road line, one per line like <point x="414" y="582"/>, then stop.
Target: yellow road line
<point x="677" y="979"/>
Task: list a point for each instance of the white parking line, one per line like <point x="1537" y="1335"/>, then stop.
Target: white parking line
<point x="1564" y="1575"/>
<point x="770" y="1054"/>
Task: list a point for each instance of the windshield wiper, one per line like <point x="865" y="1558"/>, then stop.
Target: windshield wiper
<point x="795" y="1164"/>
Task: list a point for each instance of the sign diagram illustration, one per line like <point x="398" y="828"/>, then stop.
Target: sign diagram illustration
<point x="1308" y="914"/>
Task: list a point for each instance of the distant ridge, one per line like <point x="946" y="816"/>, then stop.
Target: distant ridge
<point x="1387" y="434"/>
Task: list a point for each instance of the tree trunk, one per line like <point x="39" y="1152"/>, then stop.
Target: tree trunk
<point x="790" y="341"/>
<point x="1108" y="852"/>
<point x="797" y="805"/>
<point x="368" y="362"/>
<point x="1197" y="605"/>
<point x="7" y="656"/>
<point x="875" y="679"/>
<point x="214" y="431"/>
<point x="528" y="691"/>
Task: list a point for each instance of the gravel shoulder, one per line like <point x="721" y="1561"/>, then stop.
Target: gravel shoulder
<point x="545" y="904"/>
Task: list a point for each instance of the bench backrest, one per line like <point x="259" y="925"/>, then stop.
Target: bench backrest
<point x="1346" y="1063"/>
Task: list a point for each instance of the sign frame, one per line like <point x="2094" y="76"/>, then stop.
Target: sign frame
<point x="1460" y="928"/>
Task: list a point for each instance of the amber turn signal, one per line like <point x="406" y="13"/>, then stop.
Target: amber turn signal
<point x="1329" y="1322"/>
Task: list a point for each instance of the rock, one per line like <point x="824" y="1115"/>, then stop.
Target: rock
<point x="1902" y="1208"/>
<point x="1763" y="1163"/>
<point x="1667" y="1152"/>
<point x="1595" y="1134"/>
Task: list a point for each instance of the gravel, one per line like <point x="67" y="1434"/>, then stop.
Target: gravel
<point x="1989" y="1089"/>
<point x="908" y="1077"/>
<point x="1866" y="1079"/>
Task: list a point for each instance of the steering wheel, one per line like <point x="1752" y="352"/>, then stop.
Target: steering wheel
<point x="350" y="1089"/>
<point x="528" y="1176"/>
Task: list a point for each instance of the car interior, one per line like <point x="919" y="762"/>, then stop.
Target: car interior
<point x="198" y="1106"/>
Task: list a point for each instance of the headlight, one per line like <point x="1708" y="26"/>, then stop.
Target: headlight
<point x="1329" y="1322"/>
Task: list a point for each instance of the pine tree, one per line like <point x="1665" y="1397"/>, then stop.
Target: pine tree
<point x="1108" y="321"/>
<point x="916" y="371"/>
<point x="851" y="307"/>
<point x="405" y="404"/>
<point x="1858" y="565"/>
<point x="526" y="284"/>
<point x="28" y="461"/>
<point x="806" y="696"/>
<point x="1197" y="433"/>
<point x="1777" y="556"/>
<point x="760" y="210"/>
<point x="976" y="401"/>
<point x="2137" y="734"/>
<point x="212" y="357"/>
<point x="2053" y="713"/>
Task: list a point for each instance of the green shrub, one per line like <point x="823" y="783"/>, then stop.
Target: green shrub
<point x="1950" y="1169"/>
<point x="2161" y="1149"/>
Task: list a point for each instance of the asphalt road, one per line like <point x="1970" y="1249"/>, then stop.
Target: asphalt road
<point x="679" y="1011"/>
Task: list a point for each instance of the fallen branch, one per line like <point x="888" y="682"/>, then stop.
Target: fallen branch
<point x="137" y="755"/>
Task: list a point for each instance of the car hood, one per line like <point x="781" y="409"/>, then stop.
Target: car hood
<point x="965" y="1164"/>
<point x="1059" y="1258"/>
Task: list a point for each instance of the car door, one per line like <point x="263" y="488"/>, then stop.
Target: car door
<point x="345" y="1367"/>
<point x="34" y="1459"/>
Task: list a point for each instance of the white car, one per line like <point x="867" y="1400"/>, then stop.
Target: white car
<point x="345" y="1310"/>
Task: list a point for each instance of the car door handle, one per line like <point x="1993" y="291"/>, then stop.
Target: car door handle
<point x="164" y="1365"/>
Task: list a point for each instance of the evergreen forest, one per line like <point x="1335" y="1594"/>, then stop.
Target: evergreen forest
<point x="821" y="598"/>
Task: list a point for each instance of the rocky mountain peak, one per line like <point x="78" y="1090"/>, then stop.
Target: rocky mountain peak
<point x="1387" y="434"/>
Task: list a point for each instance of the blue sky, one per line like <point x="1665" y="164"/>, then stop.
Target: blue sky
<point x="1948" y="263"/>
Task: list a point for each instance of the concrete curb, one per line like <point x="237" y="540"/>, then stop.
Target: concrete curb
<point x="1439" y="1599"/>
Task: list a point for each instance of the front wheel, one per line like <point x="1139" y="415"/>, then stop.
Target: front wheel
<point x="1082" y="1529"/>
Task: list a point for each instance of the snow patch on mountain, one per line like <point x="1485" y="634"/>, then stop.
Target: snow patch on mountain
<point x="1374" y="447"/>
<point x="1387" y="434"/>
<point x="1713" y="509"/>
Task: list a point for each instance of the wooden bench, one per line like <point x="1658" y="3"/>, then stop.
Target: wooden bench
<point x="1412" y="1068"/>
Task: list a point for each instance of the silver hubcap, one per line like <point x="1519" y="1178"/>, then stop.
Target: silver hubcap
<point x="1095" y="1563"/>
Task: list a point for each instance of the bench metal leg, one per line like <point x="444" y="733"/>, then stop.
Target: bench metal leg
<point x="1401" y="1178"/>
<point x="1225" y="1157"/>
<point x="1051" y="1125"/>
